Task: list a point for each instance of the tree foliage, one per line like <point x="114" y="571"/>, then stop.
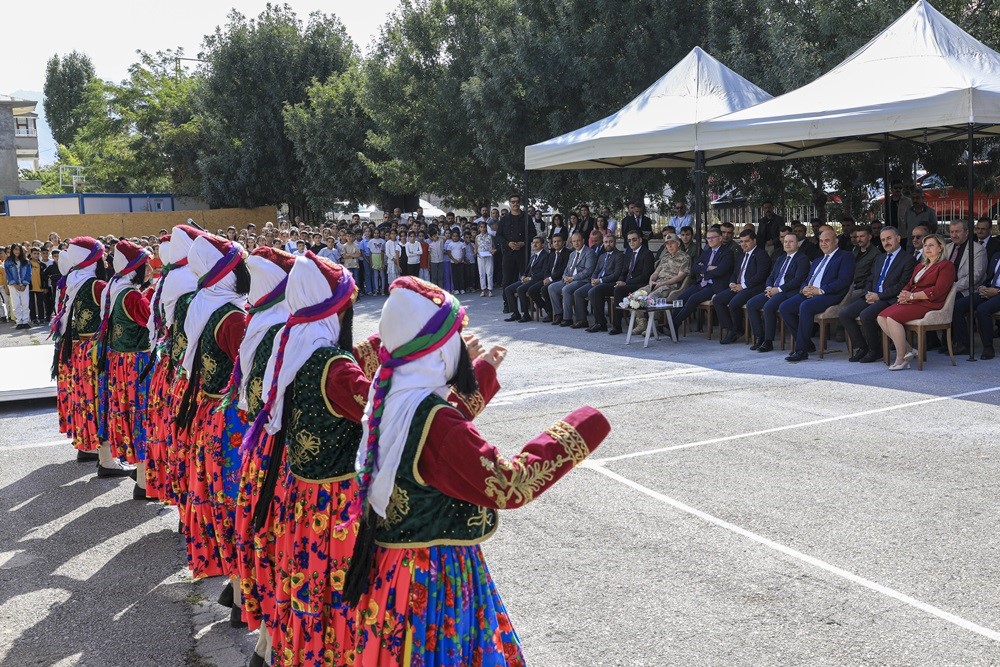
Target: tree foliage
<point x="66" y="81"/>
<point x="254" y="68"/>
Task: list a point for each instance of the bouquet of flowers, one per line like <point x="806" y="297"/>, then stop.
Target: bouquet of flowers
<point x="634" y="301"/>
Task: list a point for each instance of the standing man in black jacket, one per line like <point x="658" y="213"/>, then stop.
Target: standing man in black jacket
<point x="639" y="221"/>
<point x="511" y="239"/>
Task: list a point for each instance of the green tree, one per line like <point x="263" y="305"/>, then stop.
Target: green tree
<point x="66" y="81"/>
<point x="256" y="67"/>
<point x="328" y="132"/>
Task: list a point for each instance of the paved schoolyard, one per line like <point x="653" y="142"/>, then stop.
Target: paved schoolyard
<point x="744" y="511"/>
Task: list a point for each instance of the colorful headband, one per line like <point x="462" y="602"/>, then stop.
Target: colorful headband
<point x="222" y="267"/>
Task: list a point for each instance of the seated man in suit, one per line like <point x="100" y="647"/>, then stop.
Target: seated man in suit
<point x="958" y="252"/>
<point x="830" y="278"/>
<point x="889" y="275"/>
<point x="711" y="271"/>
<point x="747" y="282"/>
<point x="609" y="266"/>
<point x="986" y="301"/>
<point x="552" y="270"/>
<point x="787" y="275"/>
<point x="516" y="294"/>
<point x="579" y="268"/>
<point x="636" y="270"/>
<point x="985" y="238"/>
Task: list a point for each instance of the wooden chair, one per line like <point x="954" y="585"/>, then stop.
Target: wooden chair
<point x="936" y="320"/>
<point x="826" y="318"/>
<point x="704" y="307"/>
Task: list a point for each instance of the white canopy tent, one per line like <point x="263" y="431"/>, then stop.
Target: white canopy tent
<point x="657" y="129"/>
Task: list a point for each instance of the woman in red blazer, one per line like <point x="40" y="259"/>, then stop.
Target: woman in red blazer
<point x="927" y="290"/>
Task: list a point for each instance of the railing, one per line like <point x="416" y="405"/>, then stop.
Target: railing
<point x="946" y="211"/>
<point x="25" y="132"/>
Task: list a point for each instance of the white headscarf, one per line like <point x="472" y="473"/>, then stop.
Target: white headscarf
<point x="68" y="259"/>
<point x="203" y="257"/>
<point x="265" y="276"/>
<point x="404" y="314"/>
<point x="178" y="281"/>
<point x="307" y="286"/>
<point x="120" y="282"/>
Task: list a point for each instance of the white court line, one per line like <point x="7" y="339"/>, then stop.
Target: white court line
<point x="509" y="397"/>
<point x="789" y="427"/>
<point x="798" y="555"/>
<point x="53" y="443"/>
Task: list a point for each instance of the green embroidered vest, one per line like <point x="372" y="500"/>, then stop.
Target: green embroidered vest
<point x="321" y="444"/>
<point x="178" y="339"/>
<point x="127" y="335"/>
<point x="255" y="382"/>
<point x="419" y="515"/>
<point x="86" y="315"/>
<point x="216" y="366"/>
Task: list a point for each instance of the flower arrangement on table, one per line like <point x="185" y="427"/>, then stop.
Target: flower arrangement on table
<point x="635" y="300"/>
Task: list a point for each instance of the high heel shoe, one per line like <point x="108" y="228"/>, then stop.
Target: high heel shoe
<point x="901" y="366"/>
<point x="910" y="355"/>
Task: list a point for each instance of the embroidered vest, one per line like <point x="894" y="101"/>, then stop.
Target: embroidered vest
<point x="86" y="315"/>
<point x="419" y="515"/>
<point x="216" y="366"/>
<point x="178" y="339"/>
<point x="127" y="335"/>
<point x="321" y="444"/>
<point x="255" y="381"/>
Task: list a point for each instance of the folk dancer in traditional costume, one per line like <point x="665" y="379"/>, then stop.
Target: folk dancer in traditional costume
<point x="125" y="355"/>
<point x="177" y="282"/>
<point x="214" y="327"/>
<point x="76" y="320"/>
<point x="431" y="486"/>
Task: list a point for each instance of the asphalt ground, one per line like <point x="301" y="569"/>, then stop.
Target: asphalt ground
<point x="743" y="511"/>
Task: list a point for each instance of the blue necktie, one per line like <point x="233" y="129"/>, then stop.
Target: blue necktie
<point x="784" y="267"/>
<point x="885" y="270"/>
<point x="819" y="269"/>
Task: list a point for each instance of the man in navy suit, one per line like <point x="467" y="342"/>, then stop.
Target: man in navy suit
<point x="711" y="275"/>
<point x="787" y="275"/>
<point x="890" y="273"/>
<point x="830" y="278"/>
<point x="987" y="302"/>
<point x="516" y="294"/>
<point x="609" y="267"/>
<point x="636" y="269"/>
<point x="553" y="268"/>
<point x="984" y="231"/>
<point x="747" y="282"/>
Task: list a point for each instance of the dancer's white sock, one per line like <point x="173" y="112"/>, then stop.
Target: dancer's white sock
<point x="140" y="474"/>
<point x="237" y="593"/>
<point x="104" y="458"/>
<point x="261" y="647"/>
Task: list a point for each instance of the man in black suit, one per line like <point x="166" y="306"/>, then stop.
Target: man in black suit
<point x="516" y="294"/>
<point x="711" y="274"/>
<point x="985" y="238"/>
<point x="769" y="228"/>
<point x="747" y="282"/>
<point x="636" y="270"/>
<point x="609" y="267"/>
<point x="807" y="247"/>
<point x="987" y="303"/>
<point x="511" y="239"/>
<point x="552" y="270"/>
<point x="889" y="275"/>
<point x="788" y="273"/>
<point x="639" y="221"/>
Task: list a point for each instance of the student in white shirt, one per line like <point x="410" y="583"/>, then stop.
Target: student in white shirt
<point x="392" y="252"/>
<point x="484" y="259"/>
<point x="455" y="249"/>
<point x="413" y="252"/>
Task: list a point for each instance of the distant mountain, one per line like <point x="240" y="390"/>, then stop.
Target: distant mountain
<point x="46" y="144"/>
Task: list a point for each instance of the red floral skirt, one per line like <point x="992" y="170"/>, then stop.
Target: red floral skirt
<point x="256" y="549"/>
<point x="127" y="396"/>
<point x="176" y="453"/>
<point x="159" y="418"/>
<point x="84" y="403"/>
<point x="314" y="628"/>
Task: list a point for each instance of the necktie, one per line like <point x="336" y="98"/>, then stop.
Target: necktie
<point x="572" y="267"/>
<point x="711" y="258"/>
<point x="743" y="267"/>
<point x="996" y="274"/>
<point x="954" y="256"/>
<point x="631" y="266"/>
<point x="604" y="265"/>
<point x="784" y="268"/>
<point x="885" y="270"/>
<point x="819" y="270"/>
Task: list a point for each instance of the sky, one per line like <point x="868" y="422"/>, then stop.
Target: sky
<point x="111" y="31"/>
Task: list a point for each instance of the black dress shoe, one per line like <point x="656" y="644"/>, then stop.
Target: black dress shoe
<point x="236" y="618"/>
<point x="226" y="596"/>
<point x="810" y="347"/>
<point x="556" y="320"/>
<point x="796" y="357"/>
<point x="766" y="346"/>
<point x="256" y="661"/>
<point x="614" y="332"/>
<point x="870" y="358"/>
<point x="729" y="339"/>
<point x="114" y="472"/>
<point x="85" y="457"/>
<point x="597" y="327"/>
<point x="547" y="319"/>
<point x="525" y="319"/>
<point x="512" y="318"/>
<point x="580" y="325"/>
<point x="756" y="344"/>
<point x="859" y="354"/>
<point x="566" y="323"/>
<point x="988" y="353"/>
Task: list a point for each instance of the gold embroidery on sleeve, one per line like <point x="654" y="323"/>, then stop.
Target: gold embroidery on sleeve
<point x="475" y="404"/>
<point x="571" y="440"/>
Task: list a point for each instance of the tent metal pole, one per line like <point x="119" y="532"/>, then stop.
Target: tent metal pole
<point x="887" y="213"/>
<point x="529" y="224"/>
<point x="970" y="159"/>
<point x="699" y="168"/>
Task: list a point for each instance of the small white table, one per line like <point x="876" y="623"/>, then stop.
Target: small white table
<point x="651" y="323"/>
